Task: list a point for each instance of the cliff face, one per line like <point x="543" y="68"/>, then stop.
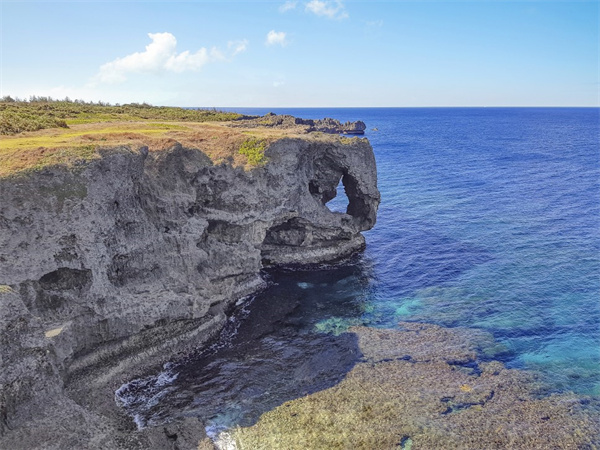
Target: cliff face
<point x="120" y="262"/>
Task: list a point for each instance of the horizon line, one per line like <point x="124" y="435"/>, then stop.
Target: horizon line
<point x="389" y="107"/>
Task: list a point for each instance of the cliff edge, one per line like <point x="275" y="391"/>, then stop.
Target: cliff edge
<point x="110" y="266"/>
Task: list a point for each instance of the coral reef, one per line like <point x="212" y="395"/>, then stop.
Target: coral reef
<point x="424" y="387"/>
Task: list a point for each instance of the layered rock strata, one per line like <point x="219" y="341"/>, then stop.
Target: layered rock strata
<point x="108" y="268"/>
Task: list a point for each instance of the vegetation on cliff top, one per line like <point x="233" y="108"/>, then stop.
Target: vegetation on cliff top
<point x="40" y="113"/>
<point x="254" y="150"/>
<point x="43" y="132"/>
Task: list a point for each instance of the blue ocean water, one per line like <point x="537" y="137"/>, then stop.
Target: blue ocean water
<point x="490" y="219"/>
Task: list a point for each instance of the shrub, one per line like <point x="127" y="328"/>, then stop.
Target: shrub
<point x="254" y="150"/>
<point x="44" y="112"/>
<point x="13" y="122"/>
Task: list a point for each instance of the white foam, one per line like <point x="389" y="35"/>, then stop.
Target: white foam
<point x="141" y="394"/>
<point x="221" y="439"/>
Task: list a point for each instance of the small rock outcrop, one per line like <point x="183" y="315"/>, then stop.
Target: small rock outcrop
<point x="108" y="268"/>
<point x="326" y="125"/>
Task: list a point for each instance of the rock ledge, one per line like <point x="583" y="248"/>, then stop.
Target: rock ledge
<point x="109" y="269"/>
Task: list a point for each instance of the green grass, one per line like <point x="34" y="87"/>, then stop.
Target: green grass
<point x="41" y="112"/>
<point x="70" y="138"/>
<point x="348" y="141"/>
<point x="83" y="118"/>
<point x="17" y="161"/>
<point x="254" y="150"/>
<point x="17" y="121"/>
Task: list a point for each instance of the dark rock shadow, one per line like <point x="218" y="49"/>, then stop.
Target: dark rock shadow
<point x="270" y="352"/>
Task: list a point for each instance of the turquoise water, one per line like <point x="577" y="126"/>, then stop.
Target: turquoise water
<point x="490" y="219"/>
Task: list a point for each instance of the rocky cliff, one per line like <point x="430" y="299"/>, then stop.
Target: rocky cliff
<point x="285" y="121"/>
<point x="110" y="267"/>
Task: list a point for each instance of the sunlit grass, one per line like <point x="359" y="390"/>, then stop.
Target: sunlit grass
<point x="91" y="127"/>
<point x="14" y="161"/>
<point x="254" y="150"/>
<point x="69" y="136"/>
<point x="84" y="118"/>
<point x="45" y="113"/>
<point x="36" y="150"/>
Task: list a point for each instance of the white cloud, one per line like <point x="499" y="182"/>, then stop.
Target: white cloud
<point x="276" y="37"/>
<point x="288" y="5"/>
<point x="161" y="56"/>
<point x="237" y="46"/>
<point x="334" y="9"/>
<point x="374" y="23"/>
<point x="113" y="93"/>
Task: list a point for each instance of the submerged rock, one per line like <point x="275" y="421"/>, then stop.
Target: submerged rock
<point x="423" y="387"/>
<point x="111" y="267"/>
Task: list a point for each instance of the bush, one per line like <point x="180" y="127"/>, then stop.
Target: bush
<point x="13" y="122"/>
<point x="44" y="112"/>
<point x="254" y="150"/>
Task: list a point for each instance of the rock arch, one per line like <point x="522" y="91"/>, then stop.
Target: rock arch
<point x="323" y="187"/>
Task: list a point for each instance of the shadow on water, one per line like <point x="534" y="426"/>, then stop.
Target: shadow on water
<point x="278" y="347"/>
<point x="289" y="340"/>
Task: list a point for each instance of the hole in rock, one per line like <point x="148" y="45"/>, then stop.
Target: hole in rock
<point x="340" y="202"/>
<point x="291" y="233"/>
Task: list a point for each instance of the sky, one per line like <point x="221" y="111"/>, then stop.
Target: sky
<point x="312" y="53"/>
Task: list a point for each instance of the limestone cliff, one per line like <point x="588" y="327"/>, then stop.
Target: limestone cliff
<point x="109" y="267"/>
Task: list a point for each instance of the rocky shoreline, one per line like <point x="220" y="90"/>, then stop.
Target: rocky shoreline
<point x="427" y="387"/>
<point x="287" y="122"/>
<point x="114" y="266"/>
<point x="111" y="267"/>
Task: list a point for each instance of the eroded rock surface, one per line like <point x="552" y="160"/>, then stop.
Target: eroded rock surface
<point x="284" y="121"/>
<point x="425" y="387"/>
<point x="110" y="268"/>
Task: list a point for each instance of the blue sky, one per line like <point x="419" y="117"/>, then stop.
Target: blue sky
<point x="304" y="53"/>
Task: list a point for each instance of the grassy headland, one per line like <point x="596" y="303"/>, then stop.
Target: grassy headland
<point x="39" y="113"/>
<point x="44" y="132"/>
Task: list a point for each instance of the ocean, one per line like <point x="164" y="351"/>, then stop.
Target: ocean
<point x="489" y="219"/>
